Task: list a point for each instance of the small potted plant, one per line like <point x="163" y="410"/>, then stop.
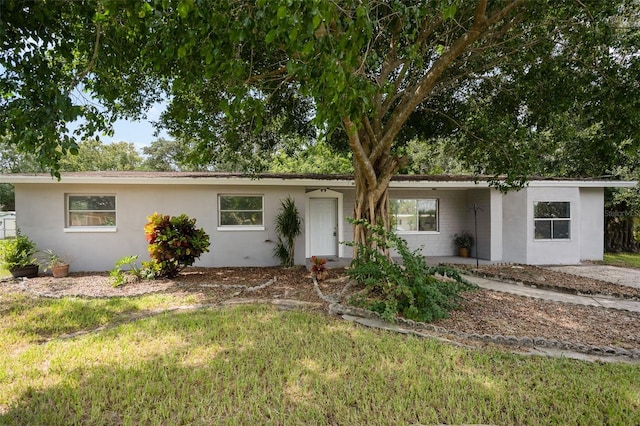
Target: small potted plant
<point x="318" y="267"/>
<point x="18" y="256"/>
<point x="464" y="242"/>
<point x="56" y="264"/>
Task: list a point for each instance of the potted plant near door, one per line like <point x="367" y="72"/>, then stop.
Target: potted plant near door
<point x="18" y="256"/>
<point x="464" y="242"/>
<point x="56" y="264"/>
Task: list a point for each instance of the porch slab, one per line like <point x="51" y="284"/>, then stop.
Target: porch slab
<point x="341" y="262"/>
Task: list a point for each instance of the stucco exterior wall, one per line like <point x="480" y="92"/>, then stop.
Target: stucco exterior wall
<point x="514" y="226"/>
<point x="505" y="222"/>
<point x="496" y="220"/>
<point x="481" y="199"/>
<point x="541" y="252"/>
<point x="451" y="220"/>
<point x="591" y="223"/>
<point x="42" y="217"/>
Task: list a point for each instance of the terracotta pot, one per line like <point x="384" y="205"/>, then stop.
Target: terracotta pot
<point x="463" y="252"/>
<point x="29" y="271"/>
<point x="60" y="271"/>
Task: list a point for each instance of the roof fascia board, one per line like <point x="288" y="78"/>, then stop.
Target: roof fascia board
<point x="306" y="182"/>
<point x="583" y="183"/>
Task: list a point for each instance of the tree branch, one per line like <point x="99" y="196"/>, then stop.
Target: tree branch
<point x="414" y="96"/>
<point x="94" y="58"/>
<point x="358" y="153"/>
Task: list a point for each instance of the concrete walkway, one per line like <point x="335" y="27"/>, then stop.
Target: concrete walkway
<point x="586" y="300"/>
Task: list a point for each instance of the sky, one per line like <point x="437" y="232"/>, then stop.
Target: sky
<point x="140" y="133"/>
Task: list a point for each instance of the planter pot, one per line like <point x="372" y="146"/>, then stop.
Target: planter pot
<point x="29" y="271"/>
<point x="463" y="252"/>
<point x="60" y="271"/>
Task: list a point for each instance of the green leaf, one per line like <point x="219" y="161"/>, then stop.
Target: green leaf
<point x="271" y="35"/>
<point x="317" y="20"/>
<point x="282" y="12"/>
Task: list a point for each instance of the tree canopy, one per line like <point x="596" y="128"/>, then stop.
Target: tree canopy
<point x="371" y="75"/>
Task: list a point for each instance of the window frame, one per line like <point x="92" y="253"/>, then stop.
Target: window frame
<point x="221" y="227"/>
<point x="552" y="221"/>
<point x="417" y="217"/>
<point x="68" y="227"/>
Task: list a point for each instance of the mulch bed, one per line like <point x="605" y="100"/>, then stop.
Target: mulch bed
<point x="482" y="312"/>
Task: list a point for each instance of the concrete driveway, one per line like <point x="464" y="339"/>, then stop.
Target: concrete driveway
<point x="613" y="274"/>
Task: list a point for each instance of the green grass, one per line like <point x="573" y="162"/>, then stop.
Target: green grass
<point x="259" y="365"/>
<point x="628" y="260"/>
<point x="4" y="272"/>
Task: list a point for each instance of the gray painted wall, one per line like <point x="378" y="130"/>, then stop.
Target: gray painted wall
<point x="514" y="226"/>
<point x="505" y="223"/>
<point x="591" y="223"/>
<point x="481" y="198"/>
<point x="540" y="252"/>
<point x="42" y="217"/>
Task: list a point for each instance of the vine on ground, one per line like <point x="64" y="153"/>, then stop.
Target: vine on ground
<point x="409" y="288"/>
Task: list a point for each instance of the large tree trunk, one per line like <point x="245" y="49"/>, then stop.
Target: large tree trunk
<point x="370" y="206"/>
<point x="373" y="172"/>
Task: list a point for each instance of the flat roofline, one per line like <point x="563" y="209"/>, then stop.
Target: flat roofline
<point x="335" y="181"/>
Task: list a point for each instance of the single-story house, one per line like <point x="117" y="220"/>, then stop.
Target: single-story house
<point x="94" y="218"/>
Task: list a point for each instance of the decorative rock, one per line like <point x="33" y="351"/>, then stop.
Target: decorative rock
<point x="539" y="341"/>
<point x="582" y="348"/>
<point x="500" y="339"/>
<point x="595" y="350"/>
<point x="552" y="343"/>
<point x="609" y="350"/>
<point x="512" y="340"/>
<point x="526" y="341"/>
<point x="487" y="338"/>
<point x="622" y="352"/>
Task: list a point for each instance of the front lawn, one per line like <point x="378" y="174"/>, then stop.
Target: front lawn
<point x="627" y="260"/>
<point x="4" y="272"/>
<point x="260" y="365"/>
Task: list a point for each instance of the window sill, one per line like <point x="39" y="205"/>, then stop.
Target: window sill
<point x="418" y="232"/>
<point x="552" y="240"/>
<point x="88" y="229"/>
<point x="240" y="228"/>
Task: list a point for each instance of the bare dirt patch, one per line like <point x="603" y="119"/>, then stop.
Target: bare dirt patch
<point x="482" y="312"/>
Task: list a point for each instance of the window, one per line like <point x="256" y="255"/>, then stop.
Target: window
<point x="91" y="210"/>
<point x="412" y="215"/>
<point x="552" y="220"/>
<point x="240" y="211"/>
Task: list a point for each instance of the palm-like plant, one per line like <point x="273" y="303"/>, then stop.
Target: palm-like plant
<point x="288" y="225"/>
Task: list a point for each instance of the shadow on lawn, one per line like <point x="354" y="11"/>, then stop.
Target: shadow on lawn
<point x="50" y="318"/>
<point x="256" y="365"/>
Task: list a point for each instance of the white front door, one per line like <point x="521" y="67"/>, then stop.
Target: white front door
<point x="323" y="226"/>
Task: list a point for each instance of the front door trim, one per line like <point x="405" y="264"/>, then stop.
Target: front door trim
<point x="324" y="193"/>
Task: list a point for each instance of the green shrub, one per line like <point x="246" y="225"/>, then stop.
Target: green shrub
<point x="410" y="288"/>
<point x="174" y="242"/>
<point x="18" y="252"/>
<point x="120" y="276"/>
